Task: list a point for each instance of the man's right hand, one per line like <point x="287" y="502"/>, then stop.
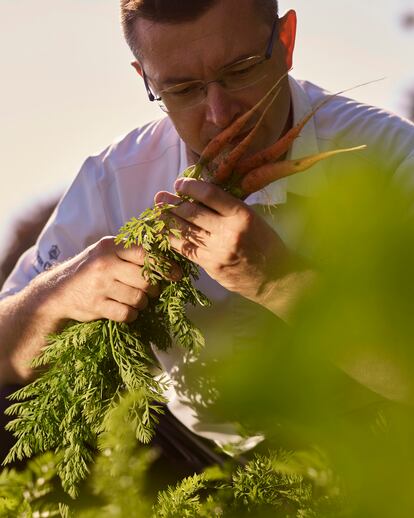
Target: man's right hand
<point x="104" y="281"/>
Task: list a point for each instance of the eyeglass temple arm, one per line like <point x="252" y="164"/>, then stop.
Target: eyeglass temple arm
<point x="273" y="36"/>
<point x="151" y="96"/>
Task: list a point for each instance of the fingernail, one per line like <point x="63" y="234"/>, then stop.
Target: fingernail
<point x="179" y="184"/>
<point x="159" y="197"/>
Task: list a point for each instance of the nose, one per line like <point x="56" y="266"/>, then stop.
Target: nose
<point x="221" y="107"/>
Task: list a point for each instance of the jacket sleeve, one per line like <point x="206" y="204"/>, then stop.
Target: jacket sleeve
<point x="78" y="221"/>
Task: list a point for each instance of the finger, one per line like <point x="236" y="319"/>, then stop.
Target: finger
<point x="113" y="310"/>
<point x="134" y="254"/>
<point x="167" y="197"/>
<point x="132" y="275"/>
<point x="124" y="294"/>
<point x="195" y="213"/>
<point x="210" y="195"/>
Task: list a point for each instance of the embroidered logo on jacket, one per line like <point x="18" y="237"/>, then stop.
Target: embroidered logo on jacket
<point x="41" y="264"/>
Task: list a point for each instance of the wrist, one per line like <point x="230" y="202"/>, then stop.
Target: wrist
<point x="41" y="313"/>
<point x="281" y="295"/>
<point x="47" y="299"/>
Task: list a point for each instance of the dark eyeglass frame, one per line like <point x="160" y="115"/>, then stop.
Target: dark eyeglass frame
<point x="268" y="54"/>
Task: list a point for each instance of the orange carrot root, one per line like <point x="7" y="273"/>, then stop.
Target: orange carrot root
<point x="228" y="163"/>
<point x="214" y="147"/>
<point x="262" y="176"/>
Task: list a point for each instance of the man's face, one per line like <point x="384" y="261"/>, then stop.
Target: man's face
<point x="230" y="31"/>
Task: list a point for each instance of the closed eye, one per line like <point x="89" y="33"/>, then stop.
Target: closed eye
<point x="241" y="71"/>
<point x="183" y="90"/>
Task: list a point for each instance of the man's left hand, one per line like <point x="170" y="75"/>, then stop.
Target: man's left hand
<point x="224" y="236"/>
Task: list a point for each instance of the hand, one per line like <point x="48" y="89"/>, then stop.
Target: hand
<point x="104" y="281"/>
<point x="234" y="245"/>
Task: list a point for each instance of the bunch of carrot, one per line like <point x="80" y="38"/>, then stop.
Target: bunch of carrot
<point x="243" y="176"/>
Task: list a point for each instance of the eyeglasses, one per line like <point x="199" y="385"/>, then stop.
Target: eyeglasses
<point x="237" y="76"/>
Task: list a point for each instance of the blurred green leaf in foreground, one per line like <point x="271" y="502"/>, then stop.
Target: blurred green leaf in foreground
<point x="341" y="375"/>
<point x="332" y="391"/>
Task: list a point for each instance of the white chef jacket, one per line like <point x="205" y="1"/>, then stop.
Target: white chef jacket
<point x="121" y="182"/>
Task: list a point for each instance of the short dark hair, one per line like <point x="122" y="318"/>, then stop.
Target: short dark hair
<point x="175" y="11"/>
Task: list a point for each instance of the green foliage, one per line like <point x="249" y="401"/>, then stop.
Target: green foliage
<point x="259" y="483"/>
<point x="268" y="485"/>
<point x="183" y="500"/>
<point x="118" y="482"/>
<point x="64" y="410"/>
<point x="118" y="477"/>
<point x="91" y="365"/>
<point x="293" y="484"/>
<point x="32" y="492"/>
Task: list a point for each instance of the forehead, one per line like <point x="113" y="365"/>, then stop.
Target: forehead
<point x="229" y="31"/>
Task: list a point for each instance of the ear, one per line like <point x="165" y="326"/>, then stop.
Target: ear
<point x="287" y="36"/>
<point x="137" y="67"/>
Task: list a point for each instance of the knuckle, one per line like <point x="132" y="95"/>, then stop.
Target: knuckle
<point x="131" y="315"/>
<point x="143" y="279"/>
<point x="136" y="299"/>
<point x="98" y="253"/>
<point x="240" y="231"/>
<point x="245" y="217"/>
<point x="232" y="248"/>
<point x="234" y="241"/>
<point x="140" y="253"/>
<point x="105" y="243"/>
<point x="147" y="286"/>
<point x="100" y="264"/>
<point x="142" y="300"/>
<point x="135" y="254"/>
<point x="124" y="314"/>
<point x="97" y="270"/>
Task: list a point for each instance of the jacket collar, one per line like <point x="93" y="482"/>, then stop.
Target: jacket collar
<point x="306" y="144"/>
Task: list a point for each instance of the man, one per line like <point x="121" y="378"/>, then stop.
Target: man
<point x="193" y="57"/>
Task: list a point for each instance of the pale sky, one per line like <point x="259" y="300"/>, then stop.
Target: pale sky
<point x="67" y="89"/>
